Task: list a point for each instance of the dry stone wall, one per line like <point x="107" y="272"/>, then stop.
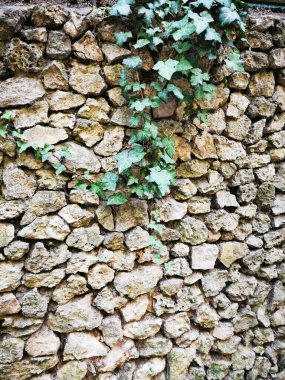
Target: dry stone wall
<point x="82" y="295"/>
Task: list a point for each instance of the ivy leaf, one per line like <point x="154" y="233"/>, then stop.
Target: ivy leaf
<point x="184" y="32"/>
<point x="202" y="116"/>
<point x="175" y="90"/>
<point x="110" y="181"/>
<point x="228" y="15"/>
<point x="198" y="77"/>
<point x="59" y="168"/>
<point x="133" y="62"/>
<point x="212" y="35"/>
<point x="98" y="188"/>
<point x="81" y="185"/>
<point x="6" y="116"/>
<point x="183" y="65"/>
<point x="140" y="104"/>
<point x="121" y="8"/>
<point x="234" y="62"/>
<point x="141" y="43"/>
<point x="3" y="131"/>
<point x="155" y="242"/>
<point x="125" y="159"/>
<point x="201" y="21"/>
<point x="205" y="3"/>
<point x="122" y="37"/>
<point x="161" y="177"/>
<point x="117" y="199"/>
<point x="166" y="68"/>
<point x="64" y="152"/>
<point x="147" y="13"/>
<point x="132" y="180"/>
<point x="135" y="120"/>
<point x="169" y="145"/>
<point x="181" y="47"/>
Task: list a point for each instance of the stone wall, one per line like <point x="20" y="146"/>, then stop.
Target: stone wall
<point x="82" y="296"/>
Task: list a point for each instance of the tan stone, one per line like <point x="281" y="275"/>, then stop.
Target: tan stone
<point x="86" y="79"/>
<point x="203" y="146"/>
<point x="182" y="148"/>
<point x="43" y="342"/>
<point x="27" y="117"/>
<point x="114" y="53"/>
<point x="87" y="48"/>
<point x="88" y="131"/>
<point x="20" y="91"/>
<point x="95" y="110"/>
<point x="63" y="100"/>
<point x="40" y="136"/>
<point x="80" y="345"/>
<point x="55" y="76"/>
<point x="46" y="227"/>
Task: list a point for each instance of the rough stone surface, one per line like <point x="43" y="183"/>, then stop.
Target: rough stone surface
<point x="84" y="293"/>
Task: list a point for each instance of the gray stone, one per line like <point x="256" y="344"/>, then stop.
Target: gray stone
<point x="17" y="184"/>
<point x="63" y="100"/>
<point x="169" y="209"/>
<point x="145" y="328"/>
<point x="100" y="275"/>
<point x="34" y="304"/>
<point x="27" y="117"/>
<point x="11" y="349"/>
<point x="80" y="157"/>
<point x="137" y="238"/>
<point x="131" y="214"/>
<point x="9" y="304"/>
<point x="75" y="285"/>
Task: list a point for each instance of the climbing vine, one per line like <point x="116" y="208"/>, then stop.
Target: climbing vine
<point x="184" y="38"/>
<point x="188" y="33"/>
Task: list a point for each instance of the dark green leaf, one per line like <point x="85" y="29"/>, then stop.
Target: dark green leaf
<point x="117" y="199"/>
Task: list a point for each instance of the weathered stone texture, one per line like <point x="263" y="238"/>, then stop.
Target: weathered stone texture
<point x="84" y="294"/>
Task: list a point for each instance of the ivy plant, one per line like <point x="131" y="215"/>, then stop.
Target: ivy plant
<point x="188" y="31"/>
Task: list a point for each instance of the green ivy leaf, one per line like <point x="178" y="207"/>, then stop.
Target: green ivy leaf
<point x="117" y="199"/>
<point x="228" y="15"/>
<point x="98" y="188"/>
<point x="202" y="116"/>
<point x="198" y="77"/>
<point x="184" y="65"/>
<point x="203" y="3"/>
<point x="184" y="32"/>
<point x="175" y="90"/>
<point x="212" y="35"/>
<point x="161" y="177"/>
<point x="59" y="168"/>
<point x="147" y="13"/>
<point x="81" y="185"/>
<point x="110" y="181"/>
<point x="166" y="68"/>
<point x="3" y="130"/>
<point x="234" y="62"/>
<point x="133" y="62"/>
<point x="169" y="145"/>
<point x="64" y="152"/>
<point x="125" y="159"/>
<point x="121" y="8"/>
<point x="7" y="116"/>
<point x="141" y="43"/>
<point x="122" y="37"/>
<point x="182" y="47"/>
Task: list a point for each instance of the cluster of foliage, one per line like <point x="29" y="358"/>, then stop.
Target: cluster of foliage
<point x="188" y="33"/>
